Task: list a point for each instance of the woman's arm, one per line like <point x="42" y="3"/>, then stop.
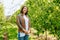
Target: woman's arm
<point x="22" y="24"/>
<point x="18" y="23"/>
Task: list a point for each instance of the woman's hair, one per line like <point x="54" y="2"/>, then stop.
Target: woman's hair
<point x="22" y="10"/>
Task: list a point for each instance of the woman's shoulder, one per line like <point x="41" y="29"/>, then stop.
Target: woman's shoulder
<point x="20" y="15"/>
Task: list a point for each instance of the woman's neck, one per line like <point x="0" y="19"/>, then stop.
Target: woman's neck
<point x="22" y="14"/>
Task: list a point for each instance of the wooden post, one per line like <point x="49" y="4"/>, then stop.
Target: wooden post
<point x="5" y="36"/>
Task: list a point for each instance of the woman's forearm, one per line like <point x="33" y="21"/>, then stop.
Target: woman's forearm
<point x="18" y="23"/>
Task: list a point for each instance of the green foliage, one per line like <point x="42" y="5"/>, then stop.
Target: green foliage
<point x="1" y="19"/>
<point x="13" y="17"/>
<point x="7" y="25"/>
<point x="1" y="13"/>
<point x="44" y="15"/>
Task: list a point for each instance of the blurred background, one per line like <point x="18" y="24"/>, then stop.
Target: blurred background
<point x="44" y="16"/>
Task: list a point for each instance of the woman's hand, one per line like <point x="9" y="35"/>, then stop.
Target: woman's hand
<point x="27" y="32"/>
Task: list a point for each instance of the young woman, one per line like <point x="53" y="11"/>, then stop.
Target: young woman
<point x="23" y="23"/>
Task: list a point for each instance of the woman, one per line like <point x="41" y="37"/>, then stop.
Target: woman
<point x="23" y="24"/>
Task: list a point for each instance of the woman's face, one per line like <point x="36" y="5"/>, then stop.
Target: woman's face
<point x="24" y="9"/>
